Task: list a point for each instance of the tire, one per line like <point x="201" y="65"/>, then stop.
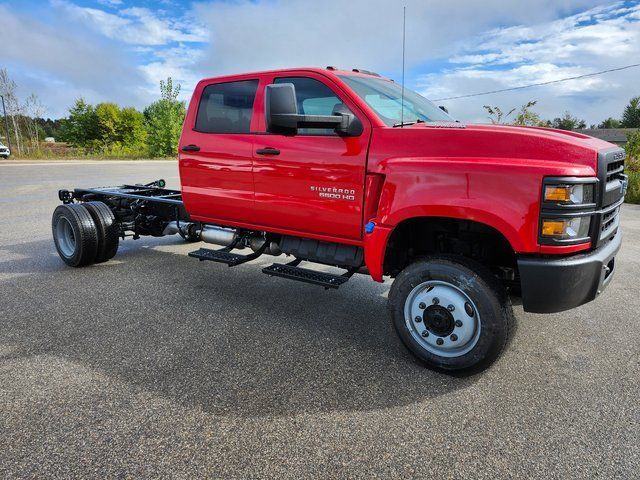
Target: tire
<point x="451" y="313"/>
<point x="108" y="230"/>
<point x="75" y="235"/>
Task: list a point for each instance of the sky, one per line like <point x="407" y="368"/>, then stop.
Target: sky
<point x="119" y="50"/>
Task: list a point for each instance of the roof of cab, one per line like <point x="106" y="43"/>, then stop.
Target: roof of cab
<point x="328" y="71"/>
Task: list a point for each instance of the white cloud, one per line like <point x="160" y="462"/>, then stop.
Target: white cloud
<point x="119" y="52"/>
<point x="177" y="63"/>
<point x="110" y="3"/>
<point x="61" y="64"/>
<point x="135" y="25"/>
<point x="604" y="37"/>
<point x="255" y="34"/>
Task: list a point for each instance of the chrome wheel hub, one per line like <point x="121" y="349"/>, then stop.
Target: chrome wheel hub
<point x="442" y="319"/>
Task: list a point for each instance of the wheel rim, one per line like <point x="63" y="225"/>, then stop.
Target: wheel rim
<point x="66" y="237"/>
<point x="442" y="319"/>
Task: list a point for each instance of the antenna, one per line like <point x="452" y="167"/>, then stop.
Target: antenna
<point x="404" y="23"/>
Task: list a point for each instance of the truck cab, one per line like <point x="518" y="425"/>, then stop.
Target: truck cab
<point x="349" y="169"/>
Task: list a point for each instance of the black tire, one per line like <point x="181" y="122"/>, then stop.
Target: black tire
<point x="108" y="230"/>
<point x="494" y="314"/>
<point x="75" y="235"/>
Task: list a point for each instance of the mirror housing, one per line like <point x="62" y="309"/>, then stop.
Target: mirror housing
<point x="281" y="114"/>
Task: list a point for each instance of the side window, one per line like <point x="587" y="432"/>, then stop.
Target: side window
<point x="313" y="98"/>
<point x="226" y="107"/>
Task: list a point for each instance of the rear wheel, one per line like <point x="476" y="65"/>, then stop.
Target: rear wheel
<point x="451" y="313"/>
<point x="75" y="235"/>
<point x="107" y="228"/>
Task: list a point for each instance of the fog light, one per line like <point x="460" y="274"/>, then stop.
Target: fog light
<point x="566" y="228"/>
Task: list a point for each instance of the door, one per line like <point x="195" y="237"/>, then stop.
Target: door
<point x="312" y="182"/>
<point x="216" y="153"/>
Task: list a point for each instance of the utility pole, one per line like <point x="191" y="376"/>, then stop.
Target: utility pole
<point x="6" y="122"/>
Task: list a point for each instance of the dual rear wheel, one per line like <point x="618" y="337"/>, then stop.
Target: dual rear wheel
<point x="85" y="233"/>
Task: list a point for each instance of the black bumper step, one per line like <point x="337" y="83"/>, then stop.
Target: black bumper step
<point x="325" y="280"/>
<point x="231" y="259"/>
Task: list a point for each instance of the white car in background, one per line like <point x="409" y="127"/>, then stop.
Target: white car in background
<point x="4" y="151"/>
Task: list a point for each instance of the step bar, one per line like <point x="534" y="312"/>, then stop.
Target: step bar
<point x="293" y="272"/>
<point x="289" y="270"/>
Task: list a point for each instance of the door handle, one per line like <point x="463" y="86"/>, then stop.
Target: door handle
<point x="191" y="148"/>
<point x="268" y="151"/>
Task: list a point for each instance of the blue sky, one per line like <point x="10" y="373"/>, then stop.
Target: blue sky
<point x="118" y="50"/>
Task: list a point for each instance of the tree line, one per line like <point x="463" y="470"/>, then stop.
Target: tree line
<point x="525" y="116"/>
<point x="105" y="129"/>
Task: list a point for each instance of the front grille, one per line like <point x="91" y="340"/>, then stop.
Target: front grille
<point x="614" y="169"/>
<point x="610" y="172"/>
<point x="608" y="219"/>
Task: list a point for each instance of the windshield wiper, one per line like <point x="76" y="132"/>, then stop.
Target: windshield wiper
<point x="404" y="124"/>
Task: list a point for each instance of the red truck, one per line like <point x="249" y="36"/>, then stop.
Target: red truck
<point x="349" y="170"/>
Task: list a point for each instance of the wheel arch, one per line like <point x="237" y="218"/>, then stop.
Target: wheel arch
<point x="429" y="234"/>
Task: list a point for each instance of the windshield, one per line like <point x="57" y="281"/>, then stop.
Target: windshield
<point x="385" y="98"/>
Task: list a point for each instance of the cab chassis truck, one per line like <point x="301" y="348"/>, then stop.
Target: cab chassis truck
<point x="345" y="168"/>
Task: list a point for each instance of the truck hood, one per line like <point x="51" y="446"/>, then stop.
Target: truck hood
<point x="534" y="144"/>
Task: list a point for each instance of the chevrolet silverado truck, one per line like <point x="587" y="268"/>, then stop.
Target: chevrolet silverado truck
<point x="346" y="169"/>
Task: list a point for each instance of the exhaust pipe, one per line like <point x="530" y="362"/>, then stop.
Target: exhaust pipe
<point x="209" y="233"/>
<point x="218" y="235"/>
<point x="172" y="228"/>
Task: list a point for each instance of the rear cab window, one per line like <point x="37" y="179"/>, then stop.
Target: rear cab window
<point x="226" y="107"/>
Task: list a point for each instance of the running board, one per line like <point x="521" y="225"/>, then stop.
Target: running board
<point x="225" y="256"/>
<point x="292" y="272"/>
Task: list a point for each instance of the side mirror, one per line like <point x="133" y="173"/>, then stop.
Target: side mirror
<point x="353" y="126"/>
<point x="281" y="113"/>
<point x="443" y="108"/>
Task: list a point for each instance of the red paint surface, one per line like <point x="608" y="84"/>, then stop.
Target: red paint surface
<point x="488" y="174"/>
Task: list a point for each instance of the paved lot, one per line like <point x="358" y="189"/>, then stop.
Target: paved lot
<point x="156" y="365"/>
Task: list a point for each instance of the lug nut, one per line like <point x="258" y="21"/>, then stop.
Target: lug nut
<point x="422" y="306"/>
<point x="469" y="309"/>
<point x="453" y="337"/>
<point x="418" y="319"/>
<point x="436" y="300"/>
<point x="458" y="323"/>
<point x="425" y="333"/>
<point x="439" y="341"/>
<point x="451" y="308"/>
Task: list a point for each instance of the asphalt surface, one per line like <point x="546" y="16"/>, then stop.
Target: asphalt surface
<point x="157" y="365"/>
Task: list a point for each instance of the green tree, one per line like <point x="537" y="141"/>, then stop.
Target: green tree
<point x="131" y="129"/>
<point x="632" y="167"/>
<point x="527" y="117"/>
<point x="81" y="127"/>
<point x="496" y="115"/>
<point x="108" y="123"/>
<point x="164" y="120"/>
<point x="568" y="122"/>
<point x="609" y="123"/>
<point x="631" y="114"/>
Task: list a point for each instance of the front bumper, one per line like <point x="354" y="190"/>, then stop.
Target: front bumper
<point x="553" y="285"/>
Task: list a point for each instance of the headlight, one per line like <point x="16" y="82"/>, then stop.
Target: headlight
<point x="576" y="194"/>
<point x="569" y="228"/>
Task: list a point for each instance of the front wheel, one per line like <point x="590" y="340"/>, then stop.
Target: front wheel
<point x="451" y="313"/>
